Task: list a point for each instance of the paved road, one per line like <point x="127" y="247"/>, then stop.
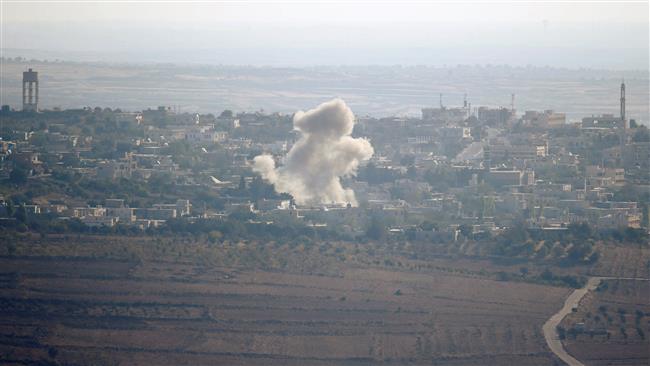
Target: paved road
<point x="550" y="327"/>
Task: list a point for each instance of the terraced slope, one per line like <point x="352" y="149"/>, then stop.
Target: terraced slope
<point x="83" y="311"/>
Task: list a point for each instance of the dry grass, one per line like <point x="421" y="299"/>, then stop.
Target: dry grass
<point x="117" y="310"/>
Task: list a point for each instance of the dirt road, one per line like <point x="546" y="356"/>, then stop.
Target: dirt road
<point x="550" y="327"/>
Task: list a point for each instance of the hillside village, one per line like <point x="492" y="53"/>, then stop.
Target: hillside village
<point x="456" y="173"/>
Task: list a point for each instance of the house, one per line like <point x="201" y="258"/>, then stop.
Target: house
<point x="98" y="221"/>
<point x="124" y="214"/>
<point x="607" y="121"/>
<point x="205" y="134"/>
<point x="115" y="169"/>
<point x="545" y="119"/>
<point x="500" y="178"/>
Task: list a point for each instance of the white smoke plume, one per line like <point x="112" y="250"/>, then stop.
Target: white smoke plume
<point x="324" y="153"/>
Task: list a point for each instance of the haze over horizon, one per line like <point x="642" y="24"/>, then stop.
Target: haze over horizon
<point x="592" y="35"/>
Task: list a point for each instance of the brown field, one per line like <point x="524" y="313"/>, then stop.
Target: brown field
<point x="630" y="261"/>
<point x="612" y="317"/>
<point x="59" y="305"/>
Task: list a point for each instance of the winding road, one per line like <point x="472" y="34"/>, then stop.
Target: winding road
<point x="550" y="327"/>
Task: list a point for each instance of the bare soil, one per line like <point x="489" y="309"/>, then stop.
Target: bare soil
<point x="78" y="301"/>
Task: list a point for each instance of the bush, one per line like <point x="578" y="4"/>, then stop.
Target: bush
<point x="18" y="176"/>
<point x="503" y="276"/>
<point x="377" y="229"/>
<point x="547" y="275"/>
<point x="602" y="309"/>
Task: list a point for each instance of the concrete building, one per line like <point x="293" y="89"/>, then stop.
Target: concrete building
<point x="273" y="204"/>
<point x="98" y="221"/>
<point x="124" y="214"/>
<point x="608" y="176"/>
<point x="545" y="119"/>
<point x="183" y="207"/>
<point x="115" y="169"/>
<point x="614" y="214"/>
<point x="500" y="152"/>
<point x="156" y="213"/>
<point x="500" y="178"/>
<point x="603" y="121"/>
<point x="88" y="211"/>
<point x="30" y="91"/>
<point x="636" y="159"/>
<point x="637" y="154"/>
<point x="445" y="115"/>
<point x="205" y="134"/>
<point x="495" y="116"/>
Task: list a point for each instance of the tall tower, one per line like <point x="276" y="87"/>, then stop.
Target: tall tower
<point x="623" y="128"/>
<point x="30" y="91"/>
<point x="623" y="104"/>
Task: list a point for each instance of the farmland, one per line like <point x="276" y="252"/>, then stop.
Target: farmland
<point x="611" y="325"/>
<point x="80" y="299"/>
<point x="88" y="300"/>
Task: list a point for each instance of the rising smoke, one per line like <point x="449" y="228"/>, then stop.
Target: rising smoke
<point x="324" y="153"/>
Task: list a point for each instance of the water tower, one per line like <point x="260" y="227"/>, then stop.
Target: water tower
<point x="30" y="91"/>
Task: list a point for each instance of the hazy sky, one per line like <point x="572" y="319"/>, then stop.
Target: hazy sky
<point x="592" y="34"/>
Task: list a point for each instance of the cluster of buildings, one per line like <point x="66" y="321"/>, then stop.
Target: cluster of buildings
<point x="115" y="211"/>
<point x="485" y="168"/>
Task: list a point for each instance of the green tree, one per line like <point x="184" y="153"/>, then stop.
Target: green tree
<point x="581" y="230"/>
<point x="70" y="160"/>
<point x="179" y="148"/>
<point x="260" y="189"/>
<point x="466" y="230"/>
<point x="376" y="229"/>
<point x="227" y="113"/>
<point x="428" y="225"/>
<point x="579" y="251"/>
<point x="10" y="209"/>
<point x="21" y="213"/>
<point x="18" y="175"/>
<point x="411" y="172"/>
<point x="123" y="147"/>
<point x="38" y="139"/>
